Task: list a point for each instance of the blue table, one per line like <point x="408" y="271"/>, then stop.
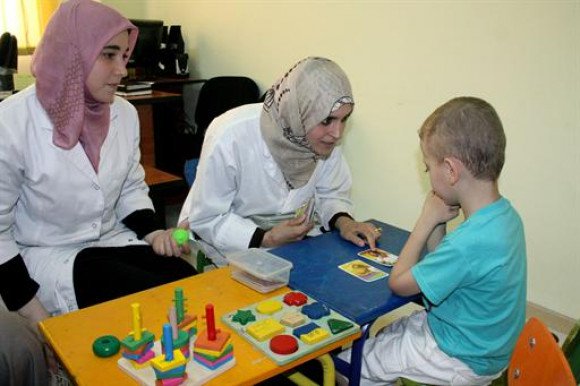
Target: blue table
<point x="315" y="271"/>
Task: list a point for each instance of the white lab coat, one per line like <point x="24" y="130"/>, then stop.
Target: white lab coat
<point x="237" y="178"/>
<point x="53" y="204"/>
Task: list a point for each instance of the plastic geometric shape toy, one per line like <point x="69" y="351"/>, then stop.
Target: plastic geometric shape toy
<point x="337" y="326"/>
<point x="321" y="336"/>
<point x="243" y="317"/>
<point x="265" y="329"/>
<point x="315" y="336"/>
<point x="293" y="319"/>
<point x="295" y="298"/>
<point x="269" y="307"/>
<point x="303" y="330"/>
<point x="284" y="344"/>
<point x="316" y="310"/>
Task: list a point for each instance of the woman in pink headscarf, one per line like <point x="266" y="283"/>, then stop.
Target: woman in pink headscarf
<point x="76" y="224"/>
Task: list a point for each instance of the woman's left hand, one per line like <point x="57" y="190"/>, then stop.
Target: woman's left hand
<point x="359" y="233"/>
<point x="164" y="244"/>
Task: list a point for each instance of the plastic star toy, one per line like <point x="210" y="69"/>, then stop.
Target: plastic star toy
<point x="243" y="317"/>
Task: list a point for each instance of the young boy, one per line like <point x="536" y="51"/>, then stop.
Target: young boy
<point x="473" y="280"/>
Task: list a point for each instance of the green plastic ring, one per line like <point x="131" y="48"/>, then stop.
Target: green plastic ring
<point x="106" y="346"/>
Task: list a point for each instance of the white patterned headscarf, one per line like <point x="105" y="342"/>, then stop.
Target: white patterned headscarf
<point x="305" y="96"/>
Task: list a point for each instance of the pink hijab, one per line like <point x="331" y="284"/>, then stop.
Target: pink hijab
<point x="73" y="39"/>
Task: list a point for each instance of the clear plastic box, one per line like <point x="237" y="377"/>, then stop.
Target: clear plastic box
<point x="260" y="270"/>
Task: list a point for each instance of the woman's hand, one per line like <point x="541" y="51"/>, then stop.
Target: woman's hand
<point x="287" y="231"/>
<point x="164" y="244"/>
<point x="359" y="233"/>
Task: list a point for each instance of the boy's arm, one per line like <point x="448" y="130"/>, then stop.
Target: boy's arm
<point x="401" y="280"/>
<point x="436" y="236"/>
<point x="429" y="229"/>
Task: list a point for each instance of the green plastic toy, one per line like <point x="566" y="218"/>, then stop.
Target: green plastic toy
<point x="181" y="236"/>
<point x="106" y="346"/>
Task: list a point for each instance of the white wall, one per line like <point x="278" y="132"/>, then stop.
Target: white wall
<point x="405" y="58"/>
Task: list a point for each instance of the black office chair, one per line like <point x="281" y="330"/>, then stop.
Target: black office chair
<point x="216" y="96"/>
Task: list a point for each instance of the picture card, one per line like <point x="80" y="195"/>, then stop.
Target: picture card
<point x="379" y="256"/>
<point x="307" y="208"/>
<point x="362" y="270"/>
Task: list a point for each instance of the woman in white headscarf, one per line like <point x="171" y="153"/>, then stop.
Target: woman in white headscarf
<point x="264" y="166"/>
<point x="76" y="224"/>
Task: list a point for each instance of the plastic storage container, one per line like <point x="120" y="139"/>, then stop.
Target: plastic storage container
<point x="260" y="270"/>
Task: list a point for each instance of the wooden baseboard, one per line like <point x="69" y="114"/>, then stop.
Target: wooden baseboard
<point x="554" y="320"/>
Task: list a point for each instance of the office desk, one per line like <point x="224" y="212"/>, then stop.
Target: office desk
<point x="162" y="187"/>
<point x="71" y="335"/>
<point x="162" y="119"/>
<point x="159" y="114"/>
<point x="316" y="273"/>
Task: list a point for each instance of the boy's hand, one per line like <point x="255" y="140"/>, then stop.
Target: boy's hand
<point x="436" y="211"/>
<point x="287" y="231"/>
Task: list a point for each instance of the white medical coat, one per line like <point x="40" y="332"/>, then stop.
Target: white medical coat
<point x="238" y="178"/>
<point x="53" y="203"/>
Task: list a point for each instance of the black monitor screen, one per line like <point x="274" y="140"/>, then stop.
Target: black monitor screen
<point x="145" y="56"/>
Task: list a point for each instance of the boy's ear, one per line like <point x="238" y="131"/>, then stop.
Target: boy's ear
<point x="453" y="169"/>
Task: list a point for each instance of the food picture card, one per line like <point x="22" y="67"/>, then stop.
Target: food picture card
<point x="379" y="256"/>
<point x="362" y="270"/>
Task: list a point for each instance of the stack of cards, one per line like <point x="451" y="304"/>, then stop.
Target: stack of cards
<point x="367" y="272"/>
<point x="307" y="208"/>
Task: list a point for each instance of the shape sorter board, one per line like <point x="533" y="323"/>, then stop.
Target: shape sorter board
<point x="275" y="319"/>
<point x="196" y="373"/>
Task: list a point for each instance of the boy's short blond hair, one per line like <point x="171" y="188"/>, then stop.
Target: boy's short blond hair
<point x="470" y="130"/>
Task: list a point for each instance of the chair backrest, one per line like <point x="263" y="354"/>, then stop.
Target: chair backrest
<point x="221" y="94"/>
<point x="537" y="359"/>
<point x="216" y="96"/>
<point x="571" y="348"/>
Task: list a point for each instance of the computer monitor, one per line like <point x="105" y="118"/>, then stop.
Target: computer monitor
<point x="145" y="57"/>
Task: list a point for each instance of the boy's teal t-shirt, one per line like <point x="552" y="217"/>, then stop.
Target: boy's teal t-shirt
<point x="475" y="288"/>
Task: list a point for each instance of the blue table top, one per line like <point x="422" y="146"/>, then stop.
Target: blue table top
<point x="315" y="271"/>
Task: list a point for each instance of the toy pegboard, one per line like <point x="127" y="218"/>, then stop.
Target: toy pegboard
<point x="196" y="373"/>
<point x="294" y="314"/>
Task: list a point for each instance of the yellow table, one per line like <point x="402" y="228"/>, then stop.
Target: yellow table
<point x="72" y="335"/>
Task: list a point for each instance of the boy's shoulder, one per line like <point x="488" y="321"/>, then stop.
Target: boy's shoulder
<point x="494" y="214"/>
<point x="494" y="225"/>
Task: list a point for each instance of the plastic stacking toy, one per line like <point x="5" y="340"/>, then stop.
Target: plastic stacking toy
<point x="170" y="366"/>
<point x="180" y="338"/>
<point x="213" y="348"/>
<point x="169" y="360"/>
<point x="185" y="322"/>
<point x="137" y="347"/>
